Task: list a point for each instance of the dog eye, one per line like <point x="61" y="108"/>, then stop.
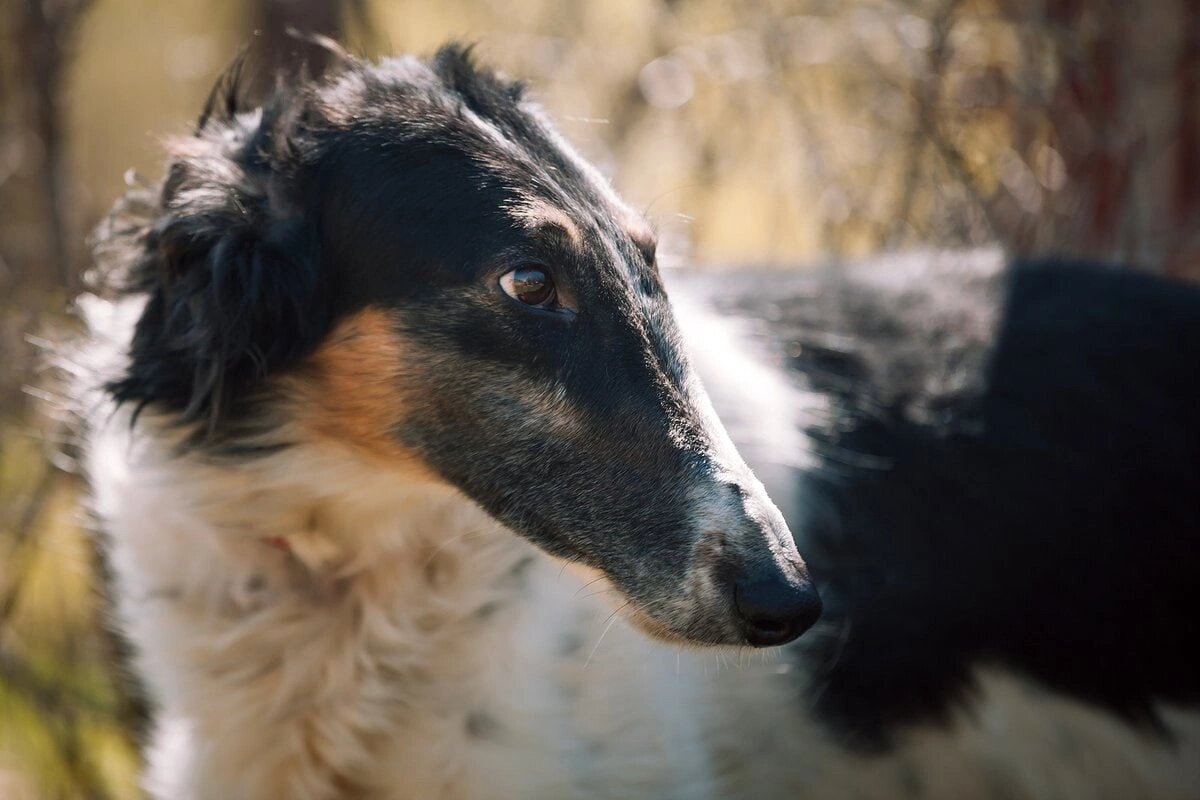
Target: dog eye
<point x="530" y="285"/>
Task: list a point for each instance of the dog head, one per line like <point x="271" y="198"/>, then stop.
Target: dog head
<point x="439" y="279"/>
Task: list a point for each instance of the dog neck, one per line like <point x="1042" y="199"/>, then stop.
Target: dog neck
<point x="384" y="605"/>
<point x="323" y="517"/>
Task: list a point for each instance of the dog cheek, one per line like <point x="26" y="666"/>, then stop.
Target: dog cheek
<point x="352" y="389"/>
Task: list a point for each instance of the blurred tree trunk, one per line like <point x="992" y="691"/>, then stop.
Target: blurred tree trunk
<point x="41" y="248"/>
<point x="1086" y="113"/>
<point x="1185" y="199"/>
<point x="1124" y="118"/>
<point x="285" y="28"/>
<point x="44" y="34"/>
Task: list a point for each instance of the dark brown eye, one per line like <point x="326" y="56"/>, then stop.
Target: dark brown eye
<point x="531" y="285"/>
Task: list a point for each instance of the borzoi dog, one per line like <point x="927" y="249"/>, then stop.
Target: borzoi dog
<point x="409" y="490"/>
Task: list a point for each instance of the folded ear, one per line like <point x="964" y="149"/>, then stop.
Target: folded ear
<point x="230" y="265"/>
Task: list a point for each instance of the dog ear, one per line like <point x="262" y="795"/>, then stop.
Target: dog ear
<point x="230" y="264"/>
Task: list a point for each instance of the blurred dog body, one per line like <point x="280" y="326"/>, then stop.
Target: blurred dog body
<point x="997" y="466"/>
<point x="369" y="538"/>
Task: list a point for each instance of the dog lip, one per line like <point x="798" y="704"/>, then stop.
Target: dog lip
<point x="652" y="626"/>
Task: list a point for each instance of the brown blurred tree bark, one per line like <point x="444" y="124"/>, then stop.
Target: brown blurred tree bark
<point x="1086" y="113"/>
<point x="44" y="34"/>
<point x="41" y="247"/>
<point x="283" y="25"/>
<point x="1124" y="116"/>
<point x="1185" y="199"/>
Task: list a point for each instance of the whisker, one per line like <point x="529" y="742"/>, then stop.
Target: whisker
<point x="566" y="562"/>
<point x="609" y="623"/>
<point x="589" y="583"/>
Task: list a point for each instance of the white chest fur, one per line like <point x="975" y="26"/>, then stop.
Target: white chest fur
<point x="402" y="644"/>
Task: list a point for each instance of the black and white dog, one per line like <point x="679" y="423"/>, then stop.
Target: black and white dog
<point x="399" y="457"/>
<point x="1003" y="468"/>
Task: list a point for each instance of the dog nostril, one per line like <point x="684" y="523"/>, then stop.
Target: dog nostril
<point x="775" y="610"/>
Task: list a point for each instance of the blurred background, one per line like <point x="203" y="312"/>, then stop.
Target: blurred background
<point x="757" y="133"/>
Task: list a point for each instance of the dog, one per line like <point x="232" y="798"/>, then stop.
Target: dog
<point x="1000" y="468"/>
<point x="409" y="488"/>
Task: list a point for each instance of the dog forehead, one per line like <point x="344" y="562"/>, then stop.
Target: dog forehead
<point x="483" y="155"/>
<point x="497" y="124"/>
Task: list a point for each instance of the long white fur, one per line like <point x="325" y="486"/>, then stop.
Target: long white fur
<point x="408" y="646"/>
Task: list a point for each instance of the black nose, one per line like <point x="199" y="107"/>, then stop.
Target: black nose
<point x="775" y="608"/>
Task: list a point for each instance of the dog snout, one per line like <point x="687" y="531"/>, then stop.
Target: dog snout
<point x="768" y="593"/>
<point x="774" y="605"/>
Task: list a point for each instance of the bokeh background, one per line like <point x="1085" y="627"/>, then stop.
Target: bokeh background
<point x="756" y="133"/>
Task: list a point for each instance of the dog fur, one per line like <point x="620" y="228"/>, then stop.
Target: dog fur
<point x="1003" y="470"/>
<point x="355" y="557"/>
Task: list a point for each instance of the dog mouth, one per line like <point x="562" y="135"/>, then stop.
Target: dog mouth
<point x="651" y="627"/>
<point x="695" y="617"/>
<point x="597" y="584"/>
